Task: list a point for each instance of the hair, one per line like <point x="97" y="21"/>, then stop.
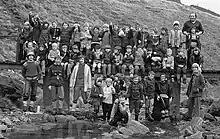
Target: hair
<point x="151" y="73"/>
<point x="65" y="23"/>
<point x="194" y="14"/>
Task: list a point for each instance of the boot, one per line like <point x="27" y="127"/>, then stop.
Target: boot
<point x="61" y="112"/>
<point x="136" y="118"/>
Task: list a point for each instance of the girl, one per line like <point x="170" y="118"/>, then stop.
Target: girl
<point x="107" y="102"/>
<point x="96" y="95"/>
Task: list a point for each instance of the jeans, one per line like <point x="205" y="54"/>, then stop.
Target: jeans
<point x="106" y="67"/>
<point x="57" y="96"/>
<point x="134" y="105"/>
<point x="193" y="106"/>
<point x="30" y="90"/>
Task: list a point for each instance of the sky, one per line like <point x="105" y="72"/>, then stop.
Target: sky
<point x="208" y="4"/>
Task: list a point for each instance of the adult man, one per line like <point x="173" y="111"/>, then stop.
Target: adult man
<point x="80" y="82"/>
<point x="194" y="92"/>
<point x="192" y="29"/>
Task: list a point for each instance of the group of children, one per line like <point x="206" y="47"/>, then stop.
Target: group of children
<point x="108" y="50"/>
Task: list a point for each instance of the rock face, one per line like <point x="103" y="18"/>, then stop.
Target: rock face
<point x="215" y="108"/>
<point x="134" y="127"/>
<point x="135" y="12"/>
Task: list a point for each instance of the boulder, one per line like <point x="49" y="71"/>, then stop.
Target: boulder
<point x="209" y="117"/>
<point x="216" y="131"/>
<point x="215" y="108"/>
<point x="196" y="124"/>
<point x="197" y="135"/>
<point x="70" y="118"/>
<point x="48" y="126"/>
<point x="7" y="121"/>
<point x="51" y="118"/>
<point x="3" y="127"/>
<point x="27" y="128"/>
<point x="1" y="136"/>
<point x="134" y="127"/>
<point x="61" y="119"/>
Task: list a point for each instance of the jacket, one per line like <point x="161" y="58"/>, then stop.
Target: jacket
<point x="144" y="37"/>
<point x="44" y="36"/>
<point x="87" y="77"/>
<point x="196" y="85"/>
<point x="116" y="40"/>
<point x="149" y="87"/>
<point x="147" y="60"/>
<point x="56" y="75"/>
<point x="106" y="38"/>
<point x="138" y="58"/>
<point x="66" y="35"/>
<point x="175" y="38"/>
<point x="128" y="58"/>
<point x="163" y="88"/>
<point x="196" y="59"/>
<point x="54" y="33"/>
<point x="107" y="58"/>
<point x="117" y="58"/>
<point x="95" y="92"/>
<point x="135" y="91"/>
<point x="179" y="60"/>
<point x="31" y="69"/>
<point x="36" y="28"/>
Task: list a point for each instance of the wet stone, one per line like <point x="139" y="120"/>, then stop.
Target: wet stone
<point x="51" y="118"/>
<point x="61" y="119"/>
<point x="7" y="121"/>
<point x="209" y="117"/>
<point x="3" y="127"/>
<point x="27" y="128"/>
<point x="48" y="126"/>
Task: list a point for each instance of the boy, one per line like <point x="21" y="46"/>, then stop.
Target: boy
<point x="148" y="60"/>
<point x="107" y="61"/>
<point x="117" y="60"/>
<point x="128" y="61"/>
<point x="139" y="61"/>
<point x="119" y="85"/>
<point x="53" y="53"/>
<point x="97" y="61"/>
<point x="180" y="65"/>
<point x="135" y="96"/>
<point x="175" y="37"/>
<point x="41" y="58"/>
<point x="31" y="72"/>
<point x="54" y="33"/>
<point x="149" y="85"/>
<point x="196" y="57"/>
<point x="29" y="47"/>
<point x="168" y="62"/>
<point x="56" y="76"/>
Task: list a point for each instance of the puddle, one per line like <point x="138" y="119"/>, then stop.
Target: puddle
<point x="86" y="130"/>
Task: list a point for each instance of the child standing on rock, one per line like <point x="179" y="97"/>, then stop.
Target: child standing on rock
<point x="56" y="75"/>
<point x="31" y="72"/>
<point x="96" y="95"/>
<point x="107" y="102"/>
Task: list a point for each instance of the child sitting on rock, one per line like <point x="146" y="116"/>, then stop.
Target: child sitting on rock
<point x="53" y="53"/>
<point x="41" y="58"/>
<point x="128" y="61"/>
<point x="96" y="96"/>
<point x="97" y="61"/>
<point x="107" y="61"/>
<point x="168" y="62"/>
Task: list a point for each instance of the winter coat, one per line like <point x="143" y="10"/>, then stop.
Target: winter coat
<point x="135" y="91"/>
<point x="196" y="59"/>
<point x="56" y="75"/>
<point x="179" y="60"/>
<point x="163" y="88"/>
<point x="116" y="40"/>
<point x="42" y="54"/>
<point x="65" y="36"/>
<point x="175" y="38"/>
<point x="87" y="77"/>
<point x="138" y="60"/>
<point x="31" y="69"/>
<point x="76" y="35"/>
<point x="106" y="38"/>
<point x="25" y="35"/>
<point x="147" y="60"/>
<point x="95" y="92"/>
<point x="107" y="57"/>
<point x="54" y="33"/>
<point x="128" y="58"/>
<point x="65" y="56"/>
<point x="144" y="37"/>
<point x="196" y="85"/>
<point x="44" y="36"/>
<point x="188" y="25"/>
<point x="36" y="28"/>
<point x="164" y="40"/>
<point x="149" y="87"/>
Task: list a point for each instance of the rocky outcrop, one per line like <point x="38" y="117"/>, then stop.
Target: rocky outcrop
<point x="215" y="108"/>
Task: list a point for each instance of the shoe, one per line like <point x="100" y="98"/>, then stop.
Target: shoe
<point x="31" y="109"/>
<point x="54" y="112"/>
<point x="61" y="112"/>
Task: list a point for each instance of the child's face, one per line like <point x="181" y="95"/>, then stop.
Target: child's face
<point x="41" y="48"/>
<point x="58" y="60"/>
<point x="86" y="28"/>
<point x="108" y="83"/>
<point x="145" y="29"/>
<point x="88" y="47"/>
<point x="169" y="53"/>
<point x="136" y="80"/>
<point x="65" y="26"/>
<point x="82" y="60"/>
<point x="31" y="57"/>
<point x="162" y="77"/>
<point x="181" y="53"/>
<point x="64" y="48"/>
<point x="115" y="27"/>
<point x="163" y="32"/>
<point x="115" y="50"/>
<point x="46" y="25"/>
<point x="54" y="47"/>
<point x="128" y="50"/>
<point x="116" y="78"/>
<point x="176" y="27"/>
<point x="107" y="50"/>
<point x="26" y="26"/>
<point x="105" y="28"/>
<point x="193" y="31"/>
<point x="96" y="30"/>
<point x="139" y="49"/>
<point x="99" y="83"/>
<point x="196" y="52"/>
<point x="151" y="76"/>
<point x="30" y="45"/>
<point x="193" y="44"/>
<point x="149" y="52"/>
<point x="54" y="24"/>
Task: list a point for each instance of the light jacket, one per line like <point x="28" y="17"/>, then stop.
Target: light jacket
<point x="87" y="77"/>
<point x="175" y="40"/>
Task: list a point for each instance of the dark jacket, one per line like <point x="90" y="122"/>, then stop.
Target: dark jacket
<point x="188" y="25"/>
<point x="144" y="37"/>
<point x="25" y="35"/>
<point x="128" y="58"/>
<point x="147" y="60"/>
<point x="196" y="85"/>
<point x="116" y="40"/>
<point x="66" y="35"/>
<point x="65" y="56"/>
<point x="95" y="92"/>
<point x="31" y="69"/>
<point x="44" y="35"/>
<point x="179" y="60"/>
<point x="56" y="75"/>
<point x="135" y="91"/>
<point x="36" y="28"/>
<point x="42" y="54"/>
<point x="196" y="59"/>
<point x="149" y="87"/>
<point x="54" y="33"/>
<point x="107" y="57"/>
<point x="163" y="88"/>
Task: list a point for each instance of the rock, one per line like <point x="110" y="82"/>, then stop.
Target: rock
<point x="120" y="136"/>
<point x="61" y="119"/>
<point x="208" y="126"/>
<point x="7" y="121"/>
<point x="48" y="126"/>
<point x="184" y="104"/>
<point x="45" y="117"/>
<point x="1" y="136"/>
<point x="196" y="124"/>
<point x="197" y="135"/>
<point x="51" y="118"/>
<point x="215" y="108"/>
<point x="70" y="118"/>
<point x="3" y="127"/>
<point x="107" y="135"/>
<point x="134" y="127"/>
<point x="217" y="130"/>
<point x="27" y="128"/>
<point x="36" y="117"/>
<point x="209" y="117"/>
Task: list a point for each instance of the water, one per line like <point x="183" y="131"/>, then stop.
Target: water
<point x="86" y="130"/>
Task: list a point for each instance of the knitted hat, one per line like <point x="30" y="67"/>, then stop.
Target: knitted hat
<point x="107" y="47"/>
<point x="129" y="47"/>
<point x="176" y="23"/>
<point x="30" y="54"/>
<point x="108" y="80"/>
<point x="105" y="25"/>
<point x="75" y="47"/>
<point x="118" y="47"/>
<point x="195" y="65"/>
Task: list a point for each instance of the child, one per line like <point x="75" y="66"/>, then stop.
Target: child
<point x="163" y="92"/>
<point x="175" y="37"/>
<point x="66" y="34"/>
<point x="44" y="35"/>
<point x="135" y="96"/>
<point x="96" y="37"/>
<point x="117" y="60"/>
<point x="107" y="61"/>
<point x="53" y="53"/>
<point x="107" y="99"/>
<point x="128" y="61"/>
<point x="119" y="85"/>
<point x="148" y="59"/>
<point x="31" y="72"/>
<point x="98" y="56"/>
<point x="139" y="61"/>
<point x="76" y="35"/>
<point x="54" y="33"/>
<point x="180" y="65"/>
<point x="115" y="38"/>
<point x="97" y="95"/>
<point x="85" y="40"/>
<point x="149" y="85"/>
<point x="64" y="54"/>
<point x="168" y="62"/>
<point x="30" y="47"/>
<point x="41" y="58"/>
<point x="105" y="36"/>
<point x="196" y="57"/>
<point x="164" y="38"/>
<point x="56" y="76"/>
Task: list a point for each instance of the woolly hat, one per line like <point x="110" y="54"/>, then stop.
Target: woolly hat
<point x="195" y="65"/>
<point x="129" y="47"/>
<point x="176" y="23"/>
<point x="107" y="47"/>
<point x="75" y="47"/>
<point x="30" y="53"/>
<point x="118" y="47"/>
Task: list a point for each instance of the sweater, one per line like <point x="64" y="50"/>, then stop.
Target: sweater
<point x="108" y="91"/>
<point x="135" y="91"/>
<point x="56" y="75"/>
<point x="31" y="69"/>
<point x="149" y="86"/>
<point x="139" y="61"/>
